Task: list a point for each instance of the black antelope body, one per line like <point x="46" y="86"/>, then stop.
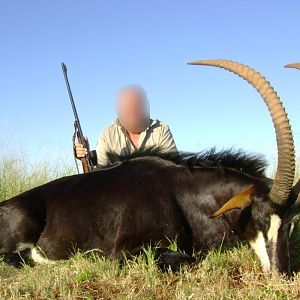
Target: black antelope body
<point x="202" y="201"/>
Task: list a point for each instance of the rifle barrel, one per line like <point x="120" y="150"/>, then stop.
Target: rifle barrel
<point x="86" y="161"/>
<point x="64" y="68"/>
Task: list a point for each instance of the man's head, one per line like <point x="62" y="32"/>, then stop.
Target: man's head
<point x="133" y="108"/>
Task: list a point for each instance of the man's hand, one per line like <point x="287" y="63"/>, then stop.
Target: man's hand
<point x="80" y="151"/>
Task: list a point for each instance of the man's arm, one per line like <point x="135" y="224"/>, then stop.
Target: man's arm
<point x="167" y="143"/>
<point x="102" y="148"/>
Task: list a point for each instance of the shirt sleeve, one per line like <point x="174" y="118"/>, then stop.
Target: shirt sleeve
<point x="167" y="143"/>
<point x="102" y="148"/>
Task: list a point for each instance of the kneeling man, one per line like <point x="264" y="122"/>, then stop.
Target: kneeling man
<point x="133" y="129"/>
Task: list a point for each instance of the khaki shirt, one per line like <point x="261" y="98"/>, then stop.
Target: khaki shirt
<point x="115" y="139"/>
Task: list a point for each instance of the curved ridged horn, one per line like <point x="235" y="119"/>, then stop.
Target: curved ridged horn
<point x="297" y="185"/>
<point x="295" y="66"/>
<point x="297" y="191"/>
<point x="284" y="178"/>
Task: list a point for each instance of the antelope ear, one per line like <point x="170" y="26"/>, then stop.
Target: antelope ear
<point x="238" y="201"/>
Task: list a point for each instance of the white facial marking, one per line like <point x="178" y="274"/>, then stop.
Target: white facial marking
<point x="22" y="246"/>
<point x="275" y="223"/>
<point x="259" y="247"/>
<point x="38" y="257"/>
<point x="292" y="228"/>
<point x="295" y="220"/>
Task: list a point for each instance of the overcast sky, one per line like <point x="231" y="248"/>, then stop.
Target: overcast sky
<point x="108" y="44"/>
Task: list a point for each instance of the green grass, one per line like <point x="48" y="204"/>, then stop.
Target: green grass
<point x="231" y="274"/>
<point x="17" y="174"/>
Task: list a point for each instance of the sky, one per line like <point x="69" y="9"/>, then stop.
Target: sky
<point x="109" y="44"/>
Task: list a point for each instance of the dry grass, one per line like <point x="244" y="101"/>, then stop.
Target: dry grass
<point x="234" y="274"/>
<point x="18" y="174"/>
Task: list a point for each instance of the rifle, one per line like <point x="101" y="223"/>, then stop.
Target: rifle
<point x="89" y="160"/>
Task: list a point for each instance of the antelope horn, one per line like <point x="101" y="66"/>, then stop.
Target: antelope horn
<point x="297" y="185"/>
<point x="297" y="191"/>
<point x="295" y="66"/>
<point x="284" y="178"/>
<point x="298" y="200"/>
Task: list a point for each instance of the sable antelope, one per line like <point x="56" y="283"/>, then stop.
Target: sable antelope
<point x="202" y="200"/>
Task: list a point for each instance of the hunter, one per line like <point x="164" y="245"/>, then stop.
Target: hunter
<point x="133" y="129"/>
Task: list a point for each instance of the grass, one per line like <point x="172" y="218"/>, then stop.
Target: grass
<point x="233" y="274"/>
<point x="230" y="274"/>
<point x="17" y="174"/>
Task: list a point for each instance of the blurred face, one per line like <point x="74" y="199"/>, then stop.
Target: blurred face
<point x="133" y="109"/>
